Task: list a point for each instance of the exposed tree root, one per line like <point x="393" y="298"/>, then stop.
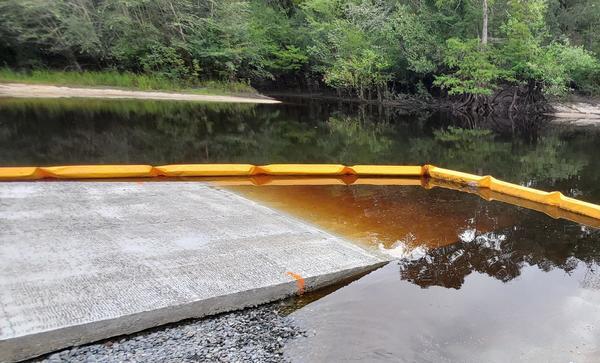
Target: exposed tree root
<point x="511" y="108"/>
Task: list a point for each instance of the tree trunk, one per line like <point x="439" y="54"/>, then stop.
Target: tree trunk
<point x="484" y="28"/>
<point x="72" y="59"/>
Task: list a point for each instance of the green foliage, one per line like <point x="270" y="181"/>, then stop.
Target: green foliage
<point x="561" y="67"/>
<point x="475" y="72"/>
<point x="389" y="39"/>
<point x="583" y="69"/>
<point x="421" y="46"/>
<point x="462" y="138"/>
<point x="575" y="20"/>
<point x="165" y="61"/>
<point x="360" y="72"/>
<point x="522" y="56"/>
<point x="523" y="30"/>
<point x="278" y="41"/>
<point x="368" y="48"/>
<point x="145" y="82"/>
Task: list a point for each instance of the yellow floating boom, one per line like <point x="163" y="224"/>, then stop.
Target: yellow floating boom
<point x="246" y="170"/>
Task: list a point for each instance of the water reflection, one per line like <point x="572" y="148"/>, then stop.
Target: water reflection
<point x="525" y="289"/>
<point x="476" y="280"/>
<point x="502" y="254"/>
<point x="64" y="131"/>
<point x="539" y="317"/>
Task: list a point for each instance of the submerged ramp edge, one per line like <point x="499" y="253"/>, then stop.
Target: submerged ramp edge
<point x="85" y="261"/>
<point x="556" y="199"/>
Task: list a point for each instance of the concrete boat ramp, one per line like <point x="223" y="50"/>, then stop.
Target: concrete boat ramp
<point x="84" y="261"/>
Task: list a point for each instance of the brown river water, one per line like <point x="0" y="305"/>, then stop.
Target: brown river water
<point x="473" y="280"/>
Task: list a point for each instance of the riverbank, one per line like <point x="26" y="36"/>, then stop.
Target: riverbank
<point x="403" y="104"/>
<point x="580" y="111"/>
<point x="576" y="109"/>
<point x="126" y="81"/>
<point x="20" y="90"/>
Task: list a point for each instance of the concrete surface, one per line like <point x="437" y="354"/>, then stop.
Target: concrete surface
<point x="83" y="261"/>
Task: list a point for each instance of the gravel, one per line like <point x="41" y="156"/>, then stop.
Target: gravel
<point x="252" y="335"/>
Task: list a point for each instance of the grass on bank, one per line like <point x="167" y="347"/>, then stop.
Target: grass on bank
<point x="127" y="80"/>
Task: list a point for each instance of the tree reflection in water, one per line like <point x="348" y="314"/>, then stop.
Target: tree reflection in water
<point x="534" y="241"/>
<point x="529" y="152"/>
<point x="42" y="132"/>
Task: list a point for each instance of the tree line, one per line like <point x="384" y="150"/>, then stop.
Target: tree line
<point x="371" y="49"/>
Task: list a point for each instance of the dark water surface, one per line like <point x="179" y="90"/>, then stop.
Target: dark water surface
<point x="474" y="280"/>
<point x="76" y="131"/>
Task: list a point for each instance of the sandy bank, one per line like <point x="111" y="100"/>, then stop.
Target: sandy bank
<point x="578" y="112"/>
<point x="46" y="91"/>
